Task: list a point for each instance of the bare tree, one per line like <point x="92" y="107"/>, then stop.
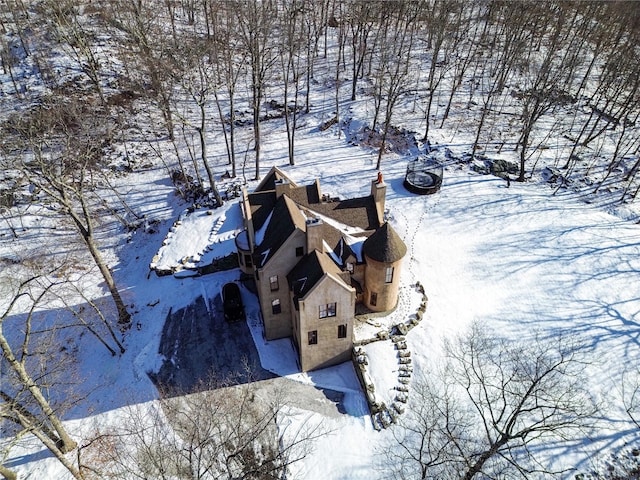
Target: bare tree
<point x="606" y="86"/>
<point x="492" y="403"/>
<point x="197" y="77"/>
<point x="229" y="63"/>
<point x="337" y="21"/>
<point x="542" y="92"/>
<point x="360" y="18"/>
<point x="76" y="37"/>
<point x="507" y="33"/>
<point x="225" y="432"/>
<point x="316" y="26"/>
<point x="466" y="31"/>
<point x="147" y="51"/>
<point x="29" y="362"/>
<point x="8" y="59"/>
<point x="443" y="39"/>
<point x="293" y="45"/>
<point x="392" y="75"/>
<point x="62" y="143"/>
<point x="255" y="23"/>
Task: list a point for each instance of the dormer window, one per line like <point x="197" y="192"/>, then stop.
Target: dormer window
<point x="349" y="267"/>
<point x="299" y="251"/>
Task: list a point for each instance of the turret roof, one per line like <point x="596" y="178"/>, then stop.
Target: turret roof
<point x="385" y="245"/>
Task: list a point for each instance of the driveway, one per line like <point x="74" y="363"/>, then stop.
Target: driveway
<point x="202" y="351"/>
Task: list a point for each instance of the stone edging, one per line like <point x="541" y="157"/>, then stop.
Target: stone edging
<point x="384" y="416"/>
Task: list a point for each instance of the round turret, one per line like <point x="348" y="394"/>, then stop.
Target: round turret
<point x="383" y="253"/>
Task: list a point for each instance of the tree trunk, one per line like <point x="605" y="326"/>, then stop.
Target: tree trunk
<point x="477" y="466"/>
<point x="256" y="134"/>
<point x="203" y="152"/>
<point x="67" y="444"/>
<point x="86" y="232"/>
<point x="232" y="134"/>
<point x="8" y="474"/>
<point x="256" y="98"/>
<point x="58" y="453"/>
<point x="523" y="152"/>
<point x="124" y="318"/>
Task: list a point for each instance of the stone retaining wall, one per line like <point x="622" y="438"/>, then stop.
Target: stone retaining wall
<point x="384" y="416"/>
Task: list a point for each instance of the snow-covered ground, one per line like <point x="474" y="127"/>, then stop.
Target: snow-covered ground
<point x="521" y="260"/>
<point x="517" y="259"/>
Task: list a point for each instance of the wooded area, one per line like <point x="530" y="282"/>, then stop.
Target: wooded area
<point x="87" y="75"/>
<point x="565" y="74"/>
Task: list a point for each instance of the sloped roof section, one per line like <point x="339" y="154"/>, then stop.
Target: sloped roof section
<point x="342" y="251"/>
<point x="269" y="181"/>
<point x="385" y="245"/>
<point x="357" y="212"/>
<point x="285" y="219"/>
<point x="262" y="204"/>
<point x="308" y="271"/>
<point x="306" y="195"/>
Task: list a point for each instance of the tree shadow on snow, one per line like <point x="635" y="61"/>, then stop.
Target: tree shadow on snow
<point x="199" y="345"/>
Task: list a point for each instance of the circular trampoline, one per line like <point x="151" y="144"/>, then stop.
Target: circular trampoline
<point x="424" y="176"/>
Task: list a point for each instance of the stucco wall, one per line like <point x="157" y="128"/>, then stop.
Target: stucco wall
<point x="243" y="252"/>
<point x="374" y="281"/>
<point x="278" y="325"/>
<point x="330" y="349"/>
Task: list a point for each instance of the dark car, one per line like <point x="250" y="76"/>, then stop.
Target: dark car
<point x="232" y="302"/>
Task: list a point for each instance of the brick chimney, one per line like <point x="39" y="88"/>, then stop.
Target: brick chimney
<point x="314" y="235"/>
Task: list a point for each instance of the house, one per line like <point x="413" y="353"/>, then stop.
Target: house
<point x="314" y="258"/>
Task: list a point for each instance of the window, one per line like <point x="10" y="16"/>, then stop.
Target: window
<point x="373" y="299"/>
<point x="273" y="283"/>
<point x="342" y="331"/>
<point x="313" y="337"/>
<point x="247" y="260"/>
<point x="327" y="310"/>
<point x="275" y="306"/>
<point x="299" y="251"/>
<point x="388" y="275"/>
<point x="349" y="267"/>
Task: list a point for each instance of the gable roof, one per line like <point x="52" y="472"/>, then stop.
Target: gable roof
<point x="269" y="181"/>
<point x="285" y="218"/>
<point x="308" y="272"/>
<point x="344" y="251"/>
<point x="384" y="245"/>
<point x="275" y="218"/>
